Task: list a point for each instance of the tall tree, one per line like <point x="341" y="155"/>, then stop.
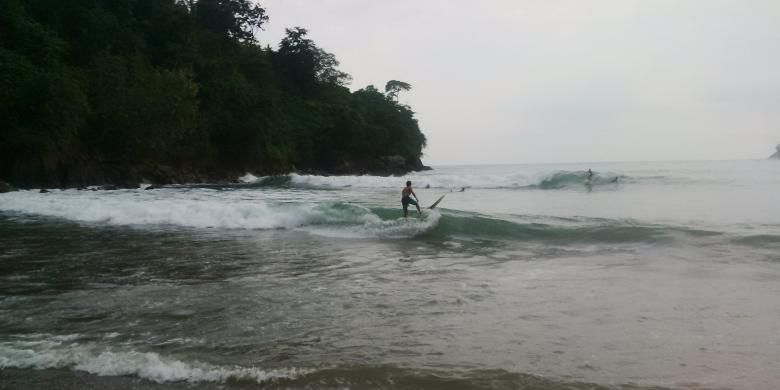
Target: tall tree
<point x="393" y="87"/>
<point x="306" y="64"/>
<point x="237" y="19"/>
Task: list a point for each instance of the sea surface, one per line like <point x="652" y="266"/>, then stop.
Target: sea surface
<point x="524" y="277"/>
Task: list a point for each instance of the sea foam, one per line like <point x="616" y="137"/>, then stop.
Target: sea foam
<point x="50" y="352"/>
<point x="206" y="208"/>
<point x="439" y="181"/>
<point x="455" y="182"/>
<point x="174" y="208"/>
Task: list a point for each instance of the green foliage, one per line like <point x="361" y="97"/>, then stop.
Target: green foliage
<point x="305" y="65"/>
<point x="42" y="100"/>
<point x="42" y="107"/>
<point x="233" y="19"/>
<point x="139" y="111"/>
<point x="181" y="82"/>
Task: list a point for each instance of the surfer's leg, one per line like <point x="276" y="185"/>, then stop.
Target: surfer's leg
<point x="412" y="201"/>
<point x="405" y="205"/>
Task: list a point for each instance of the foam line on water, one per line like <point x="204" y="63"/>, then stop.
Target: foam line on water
<point x="248" y="178"/>
<point x="203" y="208"/>
<point x="438" y="181"/>
<point x="554" y="180"/>
<point x="54" y="352"/>
<point x="207" y="208"/>
<point x="379" y="228"/>
<point x="136" y="208"/>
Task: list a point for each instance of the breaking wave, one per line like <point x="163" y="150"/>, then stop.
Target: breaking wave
<point x="213" y="209"/>
<point x="566" y="179"/>
<point x="231" y="210"/>
<point x="43" y="351"/>
<point x="550" y="181"/>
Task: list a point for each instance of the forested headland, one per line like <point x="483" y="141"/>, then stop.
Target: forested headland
<point x="119" y="91"/>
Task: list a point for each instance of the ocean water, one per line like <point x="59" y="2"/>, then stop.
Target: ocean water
<point x="530" y="278"/>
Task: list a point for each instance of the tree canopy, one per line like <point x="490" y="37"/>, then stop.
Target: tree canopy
<point x="393" y="87"/>
<point x="180" y="83"/>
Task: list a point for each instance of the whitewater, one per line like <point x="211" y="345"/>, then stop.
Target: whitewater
<point x="648" y="275"/>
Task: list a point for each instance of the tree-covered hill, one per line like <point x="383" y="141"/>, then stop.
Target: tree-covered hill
<point x="115" y="91"/>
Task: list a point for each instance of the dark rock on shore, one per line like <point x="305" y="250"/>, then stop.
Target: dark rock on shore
<point x="5" y="187"/>
<point x="418" y="166"/>
<point x="383" y="166"/>
<point x="103" y="175"/>
<point x="777" y="153"/>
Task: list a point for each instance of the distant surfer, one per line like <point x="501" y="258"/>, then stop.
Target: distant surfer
<point x="590" y="174"/>
<point x="406" y="198"/>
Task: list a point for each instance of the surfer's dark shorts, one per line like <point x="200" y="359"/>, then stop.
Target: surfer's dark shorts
<point x="406" y="201"/>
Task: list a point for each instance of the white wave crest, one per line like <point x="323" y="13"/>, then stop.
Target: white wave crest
<point x="54" y="352"/>
<point x="447" y="181"/>
<point x="178" y="207"/>
<point x="440" y="181"/>
<point x="206" y="208"/>
<point x="248" y="178"/>
<point x="394" y="228"/>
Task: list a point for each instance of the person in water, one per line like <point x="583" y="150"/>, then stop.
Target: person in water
<point x="590" y="174"/>
<point x="406" y="198"/>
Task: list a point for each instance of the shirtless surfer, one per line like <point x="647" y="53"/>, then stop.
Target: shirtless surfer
<point x="406" y="198"/>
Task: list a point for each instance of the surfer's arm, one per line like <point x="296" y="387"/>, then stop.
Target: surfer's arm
<point x="415" y="196"/>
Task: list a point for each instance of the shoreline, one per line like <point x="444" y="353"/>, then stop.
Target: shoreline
<point x="125" y="176"/>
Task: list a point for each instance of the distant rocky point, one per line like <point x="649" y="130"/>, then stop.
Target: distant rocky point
<point x="777" y="153"/>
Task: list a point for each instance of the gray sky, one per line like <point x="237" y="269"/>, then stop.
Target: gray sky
<point x="515" y="81"/>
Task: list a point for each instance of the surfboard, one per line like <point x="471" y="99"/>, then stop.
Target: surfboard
<point x="436" y="203"/>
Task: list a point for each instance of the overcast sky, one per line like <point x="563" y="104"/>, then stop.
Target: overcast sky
<point x="521" y="81"/>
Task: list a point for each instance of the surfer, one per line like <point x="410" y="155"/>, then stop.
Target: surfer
<point x="590" y="174"/>
<point x="406" y="198"/>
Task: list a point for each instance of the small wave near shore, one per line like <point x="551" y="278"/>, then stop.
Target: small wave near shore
<point x="57" y="357"/>
<point x="42" y="351"/>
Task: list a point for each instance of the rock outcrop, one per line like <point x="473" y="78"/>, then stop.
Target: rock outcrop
<point x="5" y="187"/>
<point x="394" y="165"/>
<point x="777" y="153"/>
<point x="112" y="176"/>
